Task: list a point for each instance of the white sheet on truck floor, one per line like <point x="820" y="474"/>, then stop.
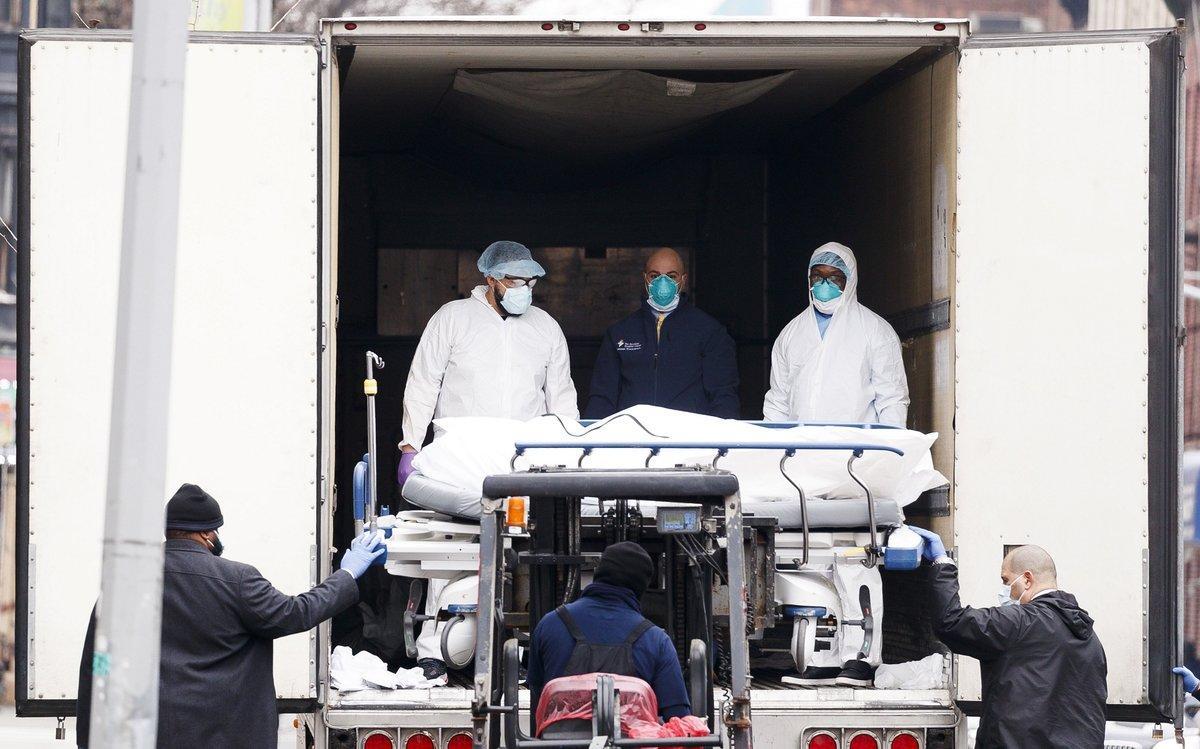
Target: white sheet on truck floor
<point x="466" y="450"/>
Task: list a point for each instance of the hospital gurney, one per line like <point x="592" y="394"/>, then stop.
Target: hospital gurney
<point x="826" y="577"/>
<point x="826" y="551"/>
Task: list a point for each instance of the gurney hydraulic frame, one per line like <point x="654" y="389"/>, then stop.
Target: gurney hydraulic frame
<point x="706" y="486"/>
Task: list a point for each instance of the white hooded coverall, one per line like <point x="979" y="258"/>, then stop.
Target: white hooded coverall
<point x="473" y="362"/>
<point x="855" y="374"/>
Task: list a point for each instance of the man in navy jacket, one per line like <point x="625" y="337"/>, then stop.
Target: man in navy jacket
<point x="668" y="353"/>
<point x="610" y="634"/>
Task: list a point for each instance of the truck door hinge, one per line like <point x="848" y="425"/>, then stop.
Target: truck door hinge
<point x="1181" y="336"/>
<point x="324" y="54"/>
<point x="324" y="336"/>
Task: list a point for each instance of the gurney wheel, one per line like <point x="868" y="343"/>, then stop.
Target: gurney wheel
<point x="446" y="655"/>
<point x="799" y="633"/>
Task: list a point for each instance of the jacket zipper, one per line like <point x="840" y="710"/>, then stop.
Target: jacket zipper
<point x="657" y="343"/>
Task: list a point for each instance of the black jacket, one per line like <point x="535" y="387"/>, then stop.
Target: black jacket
<point x="690" y="365"/>
<point x="219" y="620"/>
<point x="1043" y="667"/>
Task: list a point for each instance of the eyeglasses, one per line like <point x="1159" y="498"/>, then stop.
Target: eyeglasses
<point x="513" y="283"/>
<point x="837" y="280"/>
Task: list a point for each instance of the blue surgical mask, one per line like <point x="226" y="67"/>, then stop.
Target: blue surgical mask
<point x="1005" y="598"/>
<point x="825" y="291"/>
<point x="516" y="300"/>
<point x="664" y="292"/>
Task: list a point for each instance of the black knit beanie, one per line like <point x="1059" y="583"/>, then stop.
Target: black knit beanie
<point x="625" y="564"/>
<point x="192" y="509"/>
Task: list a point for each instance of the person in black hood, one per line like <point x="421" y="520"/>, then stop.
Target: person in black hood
<point x="220" y="619"/>
<point x="604" y="631"/>
<point x="1043" y="668"/>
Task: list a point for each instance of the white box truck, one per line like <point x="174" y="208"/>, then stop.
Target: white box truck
<point x="1015" y="203"/>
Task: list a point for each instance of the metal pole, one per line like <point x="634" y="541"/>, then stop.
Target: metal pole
<point x="125" y="666"/>
<point x="370" y="388"/>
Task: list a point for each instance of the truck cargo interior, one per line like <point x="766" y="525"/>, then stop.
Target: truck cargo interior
<point x="743" y="158"/>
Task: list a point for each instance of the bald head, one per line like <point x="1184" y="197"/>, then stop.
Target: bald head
<point x="665" y="262"/>
<point x="1031" y="569"/>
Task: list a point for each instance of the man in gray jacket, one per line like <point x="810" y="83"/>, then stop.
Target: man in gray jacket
<point x="219" y="621"/>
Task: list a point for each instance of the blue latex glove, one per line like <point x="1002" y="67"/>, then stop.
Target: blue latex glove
<point x="406" y="468"/>
<point x="1190" y="682"/>
<point x="933" y="548"/>
<point x="363" y="551"/>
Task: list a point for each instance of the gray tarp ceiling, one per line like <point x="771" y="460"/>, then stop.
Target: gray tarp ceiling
<point x="539" y="126"/>
<point x="589" y="115"/>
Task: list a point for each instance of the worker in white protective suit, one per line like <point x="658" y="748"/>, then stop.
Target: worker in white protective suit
<point x="837" y="361"/>
<point x="491" y="354"/>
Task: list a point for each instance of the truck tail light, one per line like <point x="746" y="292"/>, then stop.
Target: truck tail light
<point x="459" y="741"/>
<point x="416" y="741"/>
<point x="864" y="741"/>
<point x="379" y="741"/>
<point x="822" y="740"/>
<point x="905" y="741"/>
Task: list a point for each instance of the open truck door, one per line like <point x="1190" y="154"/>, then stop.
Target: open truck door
<point x="1067" y="319"/>
<point x="248" y="353"/>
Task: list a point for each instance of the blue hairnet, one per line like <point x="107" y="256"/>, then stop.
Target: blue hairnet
<point x="832" y="259"/>
<point x="506" y="258"/>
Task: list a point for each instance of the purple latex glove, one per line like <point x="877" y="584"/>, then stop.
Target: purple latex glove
<point x="406" y="468"/>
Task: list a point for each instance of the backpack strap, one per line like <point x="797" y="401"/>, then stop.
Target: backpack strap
<point x="641" y="629"/>
<point x="569" y="622"/>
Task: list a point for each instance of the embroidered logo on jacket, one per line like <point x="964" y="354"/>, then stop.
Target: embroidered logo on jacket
<point x="624" y="345"/>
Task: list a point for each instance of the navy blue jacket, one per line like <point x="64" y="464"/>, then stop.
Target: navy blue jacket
<point x="690" y="366"/>
<point x="607" y="614"/>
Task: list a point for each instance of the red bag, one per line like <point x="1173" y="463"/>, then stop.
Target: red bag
<point x="688" y="725"/>
<point x="570" y="698"/>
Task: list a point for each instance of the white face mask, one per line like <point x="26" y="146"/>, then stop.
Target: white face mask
<point x="1005" y="598"/>
<point x="827" y="308"/>
<point x="516" y="300"/>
